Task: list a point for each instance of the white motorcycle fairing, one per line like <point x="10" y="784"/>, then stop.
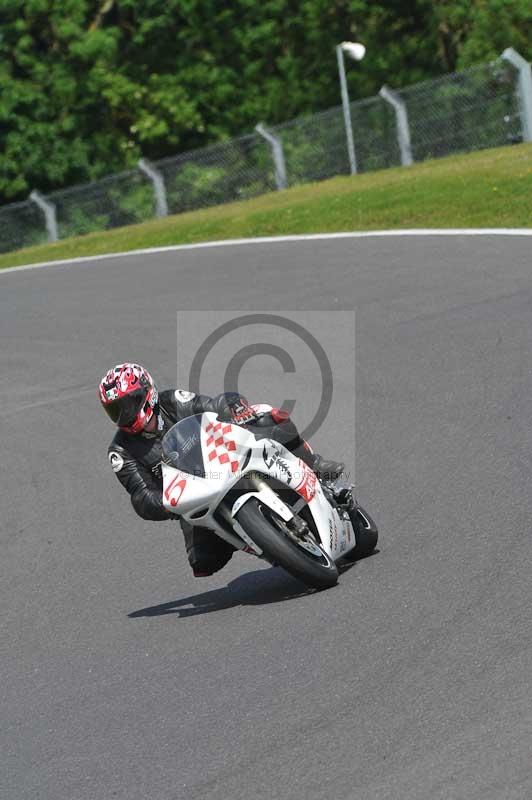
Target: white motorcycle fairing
<point x="229" y="454"/>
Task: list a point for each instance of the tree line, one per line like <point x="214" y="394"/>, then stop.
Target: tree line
<point x="87" y="87"/>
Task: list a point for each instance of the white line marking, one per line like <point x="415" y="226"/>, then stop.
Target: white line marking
<point x="305" y="237"/>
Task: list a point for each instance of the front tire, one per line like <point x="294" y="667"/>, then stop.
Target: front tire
<point x="271" y="533"/>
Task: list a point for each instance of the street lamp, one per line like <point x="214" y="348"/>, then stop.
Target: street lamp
<point x="356" y="51"/>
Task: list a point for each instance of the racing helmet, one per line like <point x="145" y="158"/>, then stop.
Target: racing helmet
<point x="129" y="396"/>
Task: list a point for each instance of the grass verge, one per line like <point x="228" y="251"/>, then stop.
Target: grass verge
<point x="490" y="188"/>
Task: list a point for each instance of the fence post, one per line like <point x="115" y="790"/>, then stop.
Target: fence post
<point x="524" y="88"/>
<point x="277" y="153"/>
<point x="48" y="210"/>
<point x="159" y="189"/>
<point x="401" y="121"/>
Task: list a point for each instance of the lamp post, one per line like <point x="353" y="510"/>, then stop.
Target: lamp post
<point x="357" y="52"/>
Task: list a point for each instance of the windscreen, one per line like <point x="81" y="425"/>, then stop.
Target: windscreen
<point x="182" y="446"/>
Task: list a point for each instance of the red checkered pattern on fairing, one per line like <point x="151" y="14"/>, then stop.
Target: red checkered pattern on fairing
<point x="221" y="447"/>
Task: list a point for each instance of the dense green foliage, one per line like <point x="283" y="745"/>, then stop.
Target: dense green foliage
<point x="87" y="86"/>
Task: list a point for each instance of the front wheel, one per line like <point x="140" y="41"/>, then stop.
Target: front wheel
<point x="299" y="555"/>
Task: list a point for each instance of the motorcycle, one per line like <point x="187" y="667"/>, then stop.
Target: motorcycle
<point x="258" y="496"/>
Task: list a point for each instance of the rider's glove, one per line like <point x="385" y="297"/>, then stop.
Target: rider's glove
<point x="237" y="410"/>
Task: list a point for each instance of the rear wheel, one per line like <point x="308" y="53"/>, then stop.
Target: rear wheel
<point x="366" y="533"/>
<point x="298" y="553"/>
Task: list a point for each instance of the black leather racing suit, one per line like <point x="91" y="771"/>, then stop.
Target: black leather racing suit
<point x="136" y="461"/>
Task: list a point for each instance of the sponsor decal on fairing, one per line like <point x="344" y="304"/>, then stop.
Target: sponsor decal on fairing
<point x="307" y="487"/>
<point x="273" y="458"/>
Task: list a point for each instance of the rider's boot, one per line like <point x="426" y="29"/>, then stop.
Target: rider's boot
<point x="326" y="471"/>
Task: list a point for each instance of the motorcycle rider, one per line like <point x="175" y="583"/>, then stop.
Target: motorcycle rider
<point x="143" y="415"/>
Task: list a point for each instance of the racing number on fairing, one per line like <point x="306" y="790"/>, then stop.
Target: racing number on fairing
<point x="178" y="483"/>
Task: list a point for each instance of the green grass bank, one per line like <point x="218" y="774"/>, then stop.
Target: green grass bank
<point x="490" y="188"/>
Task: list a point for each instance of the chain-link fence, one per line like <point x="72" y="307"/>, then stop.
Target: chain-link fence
<point x="235" y="170"/>
<point x="21" y="225"/>
<point x="315" y="147"/>
<point x="469" y="110"/>
<point x="485" y="106"/>
<point x="108" y="203"/>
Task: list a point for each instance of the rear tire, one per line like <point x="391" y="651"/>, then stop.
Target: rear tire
<point x="272" y="535"/>
<point x="366" y="534"/>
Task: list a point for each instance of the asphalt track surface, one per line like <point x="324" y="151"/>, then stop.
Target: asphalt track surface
<point x="123" y="677"/>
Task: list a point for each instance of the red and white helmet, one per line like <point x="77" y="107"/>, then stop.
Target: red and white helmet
<point x="129" y="396"/>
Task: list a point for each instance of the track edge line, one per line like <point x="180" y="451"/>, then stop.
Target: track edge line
<point x="278" y="239"/>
